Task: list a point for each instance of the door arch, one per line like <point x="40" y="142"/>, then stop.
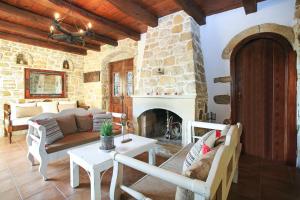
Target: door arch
<point x="263" y="91"/>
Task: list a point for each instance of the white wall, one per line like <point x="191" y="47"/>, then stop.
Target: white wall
<point x="221" y="28"/>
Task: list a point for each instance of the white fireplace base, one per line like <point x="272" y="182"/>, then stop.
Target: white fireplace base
<point x="182" y="105"/>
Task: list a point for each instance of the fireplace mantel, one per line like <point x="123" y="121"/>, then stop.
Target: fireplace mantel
<point x="182" y="105"/>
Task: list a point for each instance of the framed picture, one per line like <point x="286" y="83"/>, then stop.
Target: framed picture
<point x="91" y="77"/>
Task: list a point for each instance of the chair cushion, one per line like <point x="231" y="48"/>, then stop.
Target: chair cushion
<point x="198" y="170"/>
<point x="73" y="140"/>
<point x="98" y="120"/>
<point x="84" y="123"/>
<point x="63" y="105"/>
<point x="13" y="107"/>
<point x="48" y="107"/>
<point x="22" y="112"/>
<point x="155" y="188"/>
<point x="67" y="124"/>
<point x="53" y="131"/>
<point x="196" y="150"/>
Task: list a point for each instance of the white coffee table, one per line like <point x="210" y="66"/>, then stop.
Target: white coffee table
<point x="95" y="161"/>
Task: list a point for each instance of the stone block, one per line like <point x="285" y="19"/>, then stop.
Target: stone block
<point x="177" y="29"/>
<point x="222" y="99"/>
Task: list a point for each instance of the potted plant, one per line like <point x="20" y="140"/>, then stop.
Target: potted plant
<point x="107" y="138"/>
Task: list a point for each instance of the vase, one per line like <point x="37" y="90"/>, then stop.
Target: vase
<point x="107" y="143"/>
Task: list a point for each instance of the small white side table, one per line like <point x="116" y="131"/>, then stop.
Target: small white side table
<point x="94" y="161"/>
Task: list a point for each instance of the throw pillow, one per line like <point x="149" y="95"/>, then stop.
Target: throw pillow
<point x="84" y="123"/>
<point x="98" y="120"/>
<point x="198" y="170"/>
<point x="196" y="150"/>
<point x="67" y="124"/>
<point x="22" y="112"/>
<point x="13" y="107"/>
<point x="53" y="131"/>
<point x="63" y="105"/>
<point x="220" y="140"/>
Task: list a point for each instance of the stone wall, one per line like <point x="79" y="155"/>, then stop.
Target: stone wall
<point x="168" y="47"/>
<point x="12" y="74"/>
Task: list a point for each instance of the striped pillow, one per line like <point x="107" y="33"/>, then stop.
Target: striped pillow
<point x="98" y="120"/>
<point x="53" y="131"/>
<point x="197" y="150"/>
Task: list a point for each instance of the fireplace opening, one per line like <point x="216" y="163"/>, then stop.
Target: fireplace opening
<point x="161" y="124"/>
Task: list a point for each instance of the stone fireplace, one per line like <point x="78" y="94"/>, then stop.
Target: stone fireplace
<point x="183" y="106"/>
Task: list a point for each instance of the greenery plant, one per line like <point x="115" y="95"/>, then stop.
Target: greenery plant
<point x="106" y="129"/>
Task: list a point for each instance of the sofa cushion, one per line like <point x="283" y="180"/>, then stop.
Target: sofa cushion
<point x="48" y="107"/>
<point x="22" y="112"/>
<point x="72" y="140"/>
<point x="63" y="105"/>
<point x="196" y="150"/>
<point x="155" y="188"/>
<point x="84" y="123"/>
<point x="98" y="120"/>
<point x="67" y="124"/>
<point x="53" y="131"/>
<point x="13" y="107"/>
<point x="198" y="170"/>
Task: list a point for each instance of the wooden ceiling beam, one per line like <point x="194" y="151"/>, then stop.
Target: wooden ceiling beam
<point x="250" y="6"/>
<point x="12" y="14"/>
<point x="41" y="43"/>
<point x="80" y="13"/>
<point x="193" y="9"/>
<point x="35" y="33"/>
<point x="134" y="10"/>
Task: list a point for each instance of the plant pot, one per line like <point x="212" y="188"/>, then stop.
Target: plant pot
<point x="107" y="143"/>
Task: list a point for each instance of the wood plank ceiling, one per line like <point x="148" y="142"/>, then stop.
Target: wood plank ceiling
<point x="28" y="21"/>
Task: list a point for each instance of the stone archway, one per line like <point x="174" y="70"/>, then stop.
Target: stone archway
<point x="285" y="31"/>
<point x="114" y="55"/>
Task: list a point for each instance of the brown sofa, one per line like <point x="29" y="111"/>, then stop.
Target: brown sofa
<point x="72" y="137"/>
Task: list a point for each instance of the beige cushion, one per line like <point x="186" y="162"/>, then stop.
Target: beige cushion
<point x="67" y="124"/>
<point x="48" y="107"/>
<point x="73" y="140"/>
<point x="22" y="112"/>
<point x="84" y="123"/>
<point x="198" y="170"/>
<point x="63" y="105"/>
<point x="13" y="107"/>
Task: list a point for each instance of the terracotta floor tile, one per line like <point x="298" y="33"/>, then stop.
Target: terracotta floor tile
<point x="47" y="194"/>
<point x="6" y="185"/>
<point x="34" y="187"/>
<point x="11" y="194"/>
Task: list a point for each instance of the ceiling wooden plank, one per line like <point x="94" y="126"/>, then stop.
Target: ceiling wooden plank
<point x="78" y="13"/>
<point x="38" y="34"/>
<point x="12" y="13"/>
<point x="134" y="10"/>
<point x="193" y="9"/>
<point x="40" y="43"/>
<point x="250" y="6"/>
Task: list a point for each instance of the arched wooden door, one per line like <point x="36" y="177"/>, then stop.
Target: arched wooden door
<point x="263" y="70"/>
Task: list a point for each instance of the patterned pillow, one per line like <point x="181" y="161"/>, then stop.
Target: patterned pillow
<point x="53" y="131"/>
<point x="98" y="120"/>
<point x="198" y="170"/>
<point x="196" y="150"/>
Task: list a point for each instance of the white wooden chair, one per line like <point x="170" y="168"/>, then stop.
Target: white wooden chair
<point x="223" y="172"/>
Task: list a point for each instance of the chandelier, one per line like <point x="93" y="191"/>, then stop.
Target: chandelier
<point x="58" y="32"/>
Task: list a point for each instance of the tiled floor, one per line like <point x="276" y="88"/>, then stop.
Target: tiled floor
<point x="259" y="180"/>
